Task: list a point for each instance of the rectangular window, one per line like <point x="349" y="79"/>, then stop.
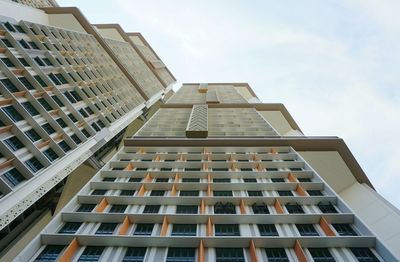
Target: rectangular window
<point x="26" y="83"/>
<point x="58" y="101"/>
<point x="227" y="230"/>
<point x="246" y="169"/>
<point x="157" y="193"/>
<point x="267" y="230"/>
<point x="229" y="255"/>
<point x="144" y="229"/>
<point x="327" y="208"/>
<point x="181" y="254"/>
<point x="224" y="208"/>
<point x="12" y="113"/>
<point x="127" y="192"/>
<point x="70" y="228"/>
<point x="34" y="164"/>
<point x="13" y="177"/>
<point x="186" y="209"/>
<point x="48" y="128"/>
<point x="9" y="85"/>
<point x="165" y="169"/>
<point x="222" y="193"/>
<point x="50" y="253"/>
<point x="294" y="208"/>
<point x="272" y="169"/>
<point x="106" y="229"/>
<point x="76" y="139"/>
<point x="278" y="180"/>
<point x="250" y="180"/>
<point x="135" y="179"/>
<point x="7" y="62"/>
<point x="86" y="208"/>
<point x="190" y="180"/>
<point x="91" y="253"/>
<point x="71" y="116"/>
<point x="33" y="135"/>
<point x="149" y="209"/>
<point x="141" y="169"/>
<point x="344" y="230"/>
<point x="254" y="193"/>
<point x="40" y="81"/>
<point x="61" y="122"/>
<point x="109" y="179"/>
<point x="31" y="110"/>
<point x="321" y="255"/>
<point x="192" y="169"/>
<point x="295" y="169"/>
<point x="260" y="208"/>
<point x="134" y="254"/>
<point x="364" y="254"/>
<point x="276" y="255"/>
<point x="14" y="143"/>
<point x="99" y="192"/>
<point x="184" y="230"/>
<point x="117" y="209"/>
<point x="50" y="154"/>
<point x="45" y="104"/>
<point x="285" y="193"/>
<point x="221" y="180"/>
<point x="189" y="193"/>
<point x="162" y="180"/>
<point x="220" y="169"/>
<point x="304" y="179"/>
<point x="314" y="192"/>
<point x="307" y="230"/>
<point x="65" y="147"/>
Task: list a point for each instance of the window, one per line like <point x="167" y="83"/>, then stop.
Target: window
<point x="267" y="230"/>
<point x="186" y="209"/>
<point x="9" y="85"/>
<point x="224" y="208"/>
<point x="181" y="254"/>
<point x="294" y="208"/>
<point x="85" y="132"/>
<point x="307" y="230"/>
<point x="165" y="169"/>
<point x="50" y="154"/>
<point x="344" y="230"/>
<point x="148" y="209"/>
<point x="33" y="45"/>
<point x="304" y="179"/>
<point x="157" y="193"/>
<point x="285" y="193"/>
<point x="327" y="208"/>
<point x="222" y="193"/>
<point x="314" y="192"/>
<point x="99" y="192"/>
<point x="227" y="230"/>
<point x="91" y="253"/>
<point x="34" y="164"/>
<point x="144" y="229"/>
<point x="135" y="179"/>
<point x="127" y="192"/>
<point x="26" y="83"/>
<point x="272" y="169"/>
<point x="117" y="209"/>
<point x="71" y="116"/>
<point x="86" y="208"/>
<point x="7" y="62"/>
<point x="12" y="113"/>
<point x="162" y="180"/>
<point x="260" y="208"/>
<point x="33" y="135"/>
<point x="106" y="229"/>
<point x="254" y="193"/>
<point x="250" y="180"/>
<point x="295" y="169"/>
<point x="221" y="180"/>
<point x="24" y="44"/>
<point x="184" y="230"/>
<point x="192" y="169"/>
<point x="61" y="122"/>
<point x="190" y="180"/>
<point x="276" y="255"/>
<point x="7" y="43"/>
<point x="188" y="193"/>
<point x="134" y="254"/>
<point x="48" y="128"/>
<point x="321" y="255"/>
<point x="14" y="143"/>
<point x="364" y="254"/>
<point x="50" y="253"/>
<point x="45" y="104"/>
<point x="220" y="169"/>
<point x="58" y="101"/>
<point x="39" y="61"/>
<point x="13" y="177"/>
<point x="229" y="255"/>
<point x="65" y="147"/>
<point x="76" y="139"/>
<point x="40" y="81"/>
<point x="109" y="179"/>
<point x="141" y="169"/>
<point x="278" y="180"/>
<point x="70" y="228"/>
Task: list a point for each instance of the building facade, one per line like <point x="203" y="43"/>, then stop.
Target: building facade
<point x="214" y="175"/>
<point x="69" y="93"/>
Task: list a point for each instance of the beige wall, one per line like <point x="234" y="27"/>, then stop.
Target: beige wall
<point x="279" y="122"/>
<point x="66" y="21"/>
<point x="111" y="34"/>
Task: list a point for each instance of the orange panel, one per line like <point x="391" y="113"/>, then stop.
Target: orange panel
<point x="209" y="190"/>
<point x="173" y="191"/>
<point x="253" y="253"/>
<point x="124" y="227"/>
<point x="5" y="129"/>
<point x="299" y="252"/>
<point x="157" y="158"/>
<point x="273" y="151"/>
<point x="202" y="207"/>
<point x="291" y="177"/>
<point x="260" y="167"/>
<point x="5" y="102"/>
<point x="209" y="228"/>
<point x="300" y="191"/>
<point x="204" y="167"/>
<point x="129" y="167"/>
<point x="6" y="163"/>
<point x="201" y="252"/>
<point x="278" y="207"/>
<point x="242" y="208"/>
<point x="102" y="205"/>
<point x="20" y="94"/>
<point x="69" y="251"/>
<point x="176" y="178"/>
<point x="142" y="190"/>
<point x="326" y="227"/>
<point x="148" y="178"/>
<point x="209" y="178"/>
<point x="164" y="227"/>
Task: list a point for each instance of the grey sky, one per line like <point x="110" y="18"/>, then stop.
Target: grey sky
<point x="334" y="64"/>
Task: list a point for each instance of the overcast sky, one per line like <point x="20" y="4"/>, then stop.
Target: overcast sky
<point x="334" y="64"/>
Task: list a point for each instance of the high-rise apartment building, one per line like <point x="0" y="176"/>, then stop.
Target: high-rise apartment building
<point x="69" y="92"/>
<point x="214" y="175"/>
<point x="209" y="173"/>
